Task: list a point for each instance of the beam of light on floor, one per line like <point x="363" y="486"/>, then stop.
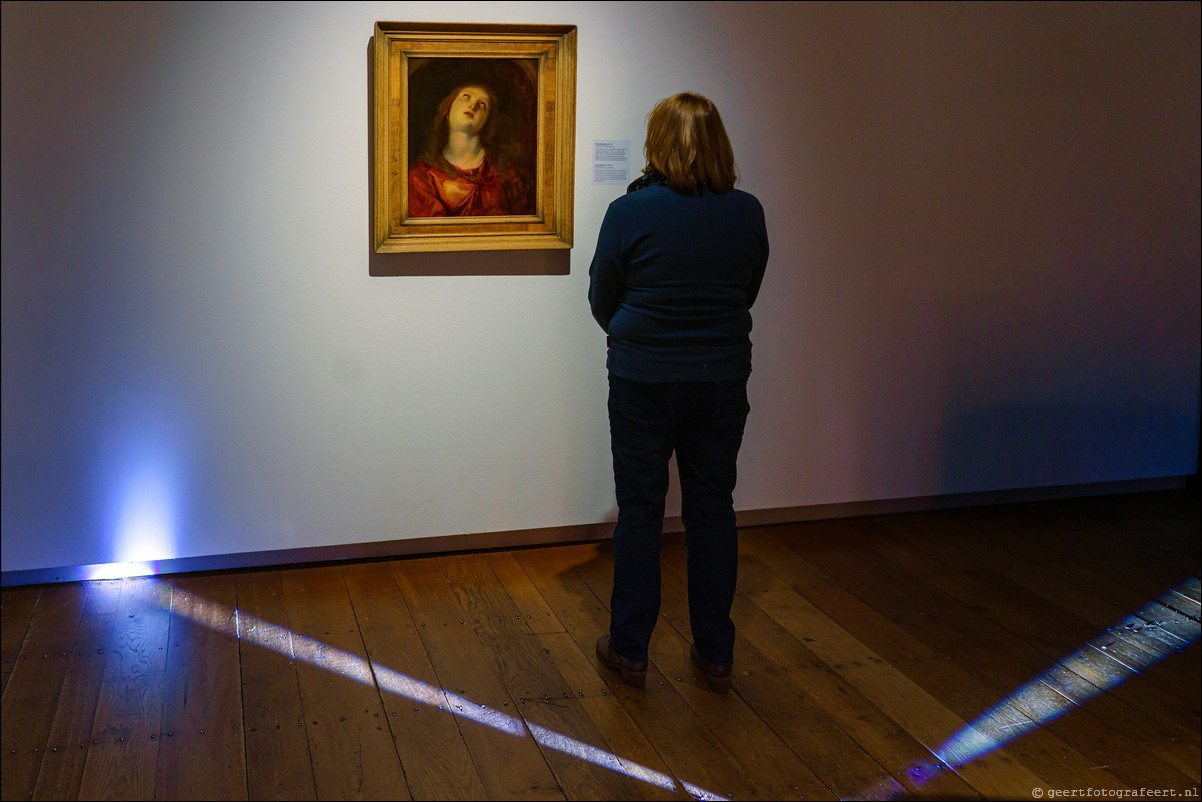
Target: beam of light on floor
<point x="1130" y="647"/>
<point x="282" y="640"/>
<point x="1164" y="626"/>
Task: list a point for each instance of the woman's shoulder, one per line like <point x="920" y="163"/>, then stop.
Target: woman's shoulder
<point x="743" y="203"/>
<point x="742" y="196"/>
<point x="648" y="194"/>
<point x="660" y="196"/>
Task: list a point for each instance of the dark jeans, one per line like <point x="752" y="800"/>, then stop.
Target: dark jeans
<point x="703" y="423"/>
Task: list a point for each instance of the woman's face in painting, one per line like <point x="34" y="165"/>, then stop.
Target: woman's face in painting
<point x="470" y="110"/>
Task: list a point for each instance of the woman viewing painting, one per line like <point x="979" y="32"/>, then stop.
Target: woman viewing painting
<point x="679" y="262"/>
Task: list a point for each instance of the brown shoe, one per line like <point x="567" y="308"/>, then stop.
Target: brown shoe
<point x="716" y="674"/>
<point x="634" y="672"/>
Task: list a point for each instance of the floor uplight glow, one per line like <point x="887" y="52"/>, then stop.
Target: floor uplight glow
<point x="117" y="570"/>
<point x="145" y="527"/>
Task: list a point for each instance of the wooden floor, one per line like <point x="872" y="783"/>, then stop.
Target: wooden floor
<point x="982" y="652"/>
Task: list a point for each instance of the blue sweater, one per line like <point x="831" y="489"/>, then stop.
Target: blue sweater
<point x="673" y="281"/>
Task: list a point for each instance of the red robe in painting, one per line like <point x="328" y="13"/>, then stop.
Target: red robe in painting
<point x="447" y="191"/>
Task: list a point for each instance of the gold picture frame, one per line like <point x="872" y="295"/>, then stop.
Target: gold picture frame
<point x="520" y="195"/>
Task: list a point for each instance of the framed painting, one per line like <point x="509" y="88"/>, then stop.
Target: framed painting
<point x="474" y="136"/>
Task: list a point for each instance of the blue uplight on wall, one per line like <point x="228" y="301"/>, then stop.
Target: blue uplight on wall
<point x="142" y="491"/>
<point x="146" y="521"/>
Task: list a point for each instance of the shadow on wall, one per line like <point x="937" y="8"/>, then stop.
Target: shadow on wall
<point x="470" y="263"/>
<point x="1096" y="443"/>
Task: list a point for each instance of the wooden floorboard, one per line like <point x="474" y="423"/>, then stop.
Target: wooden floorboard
<point x="41" y="666"/>
<point x="350" y="743"/>
<point x="509" y="762"/>
<point x="204" y="755"/>
<point x="16" y="611"/>
<point x="691" y="752"/>
<point x="435" y="758"/>
<point x="546" y="701"/>
<point x="122" y="756"/>
<point x="893" y="681"/>
<point x="278" y="765"/>
<point x="965" y="649"/>
<point x="65" y="753"/>
<point x="986" y="653"/>
<point x="774" y="723"/>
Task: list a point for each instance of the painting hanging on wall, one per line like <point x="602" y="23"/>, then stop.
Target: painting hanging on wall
<point x="474" y="136"/>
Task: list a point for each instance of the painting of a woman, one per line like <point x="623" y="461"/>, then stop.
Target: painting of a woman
<point x="466" y="169"/>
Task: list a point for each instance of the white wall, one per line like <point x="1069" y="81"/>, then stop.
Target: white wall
<point x="985" y="270"/>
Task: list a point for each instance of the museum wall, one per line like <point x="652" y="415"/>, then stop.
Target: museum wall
<point x="984" y="277"/>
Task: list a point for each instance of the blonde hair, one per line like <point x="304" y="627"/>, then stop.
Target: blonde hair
<point x="688" y="145"/>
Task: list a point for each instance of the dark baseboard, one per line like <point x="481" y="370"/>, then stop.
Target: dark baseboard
<point x="521" y="538"/>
